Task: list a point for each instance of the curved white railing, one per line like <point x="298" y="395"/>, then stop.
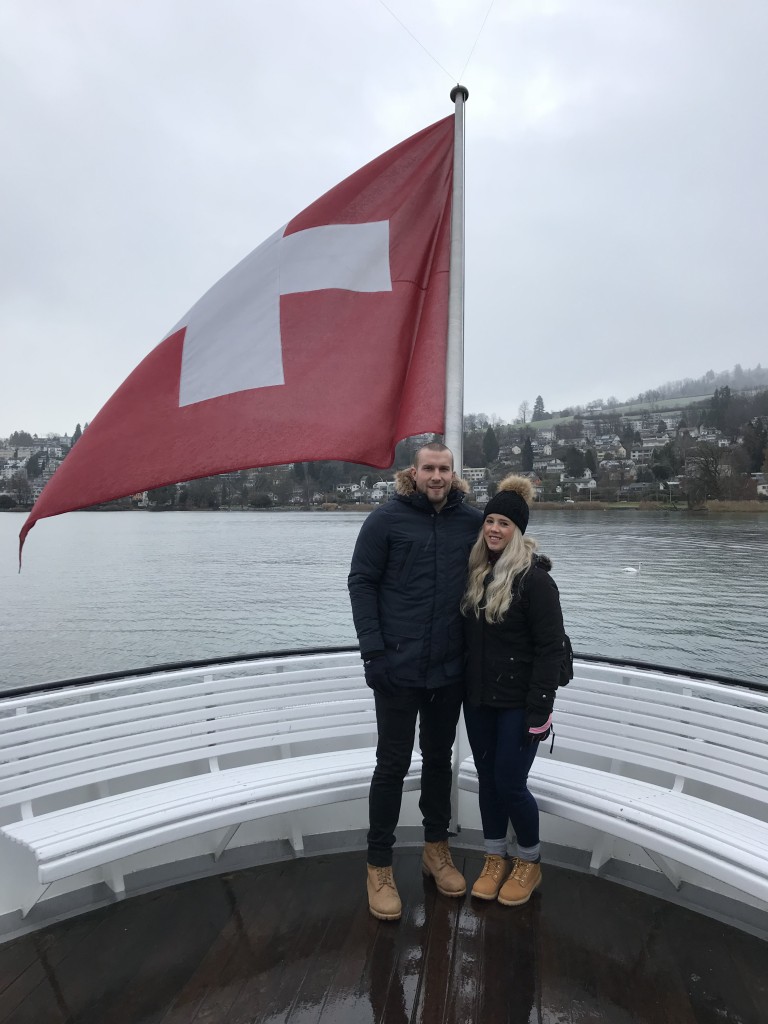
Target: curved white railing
<point x="268" y="756"/>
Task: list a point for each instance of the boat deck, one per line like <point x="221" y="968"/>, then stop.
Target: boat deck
<point x="293" y="942"/>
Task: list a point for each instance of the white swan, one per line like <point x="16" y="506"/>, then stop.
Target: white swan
<point x="631" y="568"/>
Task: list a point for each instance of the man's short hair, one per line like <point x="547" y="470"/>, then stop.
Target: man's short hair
<point x="433" y="446"/>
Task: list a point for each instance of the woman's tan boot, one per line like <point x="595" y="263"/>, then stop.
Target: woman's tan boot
<point x="524" y="878"/>
<point x="492" y="877"/>
<point x="383" y="897"/>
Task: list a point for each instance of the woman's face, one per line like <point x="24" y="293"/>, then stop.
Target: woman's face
<point x="497" y="532"/>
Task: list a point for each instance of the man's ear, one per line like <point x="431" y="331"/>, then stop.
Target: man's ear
<point x="412" y="473"/>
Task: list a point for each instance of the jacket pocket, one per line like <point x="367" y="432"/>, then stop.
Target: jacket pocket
<point x="512" y="671"/>
<point x="403" y="643"/>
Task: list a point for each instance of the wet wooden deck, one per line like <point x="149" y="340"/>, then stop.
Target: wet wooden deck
<point x="293" y="942"/>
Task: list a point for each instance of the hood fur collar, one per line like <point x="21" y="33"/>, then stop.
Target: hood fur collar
<point x="404" y="484"/>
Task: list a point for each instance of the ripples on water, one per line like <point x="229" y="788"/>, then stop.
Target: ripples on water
<point x="107" y="591"/>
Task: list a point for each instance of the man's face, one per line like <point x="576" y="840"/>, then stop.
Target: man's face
<point x="432" y="475"/>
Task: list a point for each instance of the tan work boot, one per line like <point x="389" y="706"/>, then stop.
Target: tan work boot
<point x="436" y="861"/>
<point x="383" y="897"/>
<point x="517" y="889"/>
<point x="492" y="877"/>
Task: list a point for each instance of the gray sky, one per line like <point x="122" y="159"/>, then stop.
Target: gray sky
<point x="617" y="209"/>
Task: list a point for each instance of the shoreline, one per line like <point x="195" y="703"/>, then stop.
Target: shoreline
<point x="711" y="507"/>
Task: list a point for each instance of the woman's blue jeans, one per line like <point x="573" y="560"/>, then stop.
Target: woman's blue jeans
<point x="502" y="758"/>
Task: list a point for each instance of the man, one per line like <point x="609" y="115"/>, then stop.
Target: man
<point x="406" y="581"/>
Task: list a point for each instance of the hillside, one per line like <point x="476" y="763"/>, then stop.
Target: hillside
<point x="678" y="394"/>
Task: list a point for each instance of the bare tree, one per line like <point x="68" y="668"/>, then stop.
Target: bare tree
<point x="522" y="412"/>
<point x="20" y="488"/>
<point x="707" y="461"/>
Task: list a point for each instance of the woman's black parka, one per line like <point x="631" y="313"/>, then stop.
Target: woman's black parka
<point x="516" y="663"/>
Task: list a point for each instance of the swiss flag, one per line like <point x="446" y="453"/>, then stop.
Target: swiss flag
<point x="326" y="342"/>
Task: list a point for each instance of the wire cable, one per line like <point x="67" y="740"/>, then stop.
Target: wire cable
<point x="469" y="58"/>
<point x="431" y="55"/>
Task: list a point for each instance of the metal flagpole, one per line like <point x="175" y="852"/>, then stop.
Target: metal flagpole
<point x="454" y="364"/>
<point x="454" y="367"/>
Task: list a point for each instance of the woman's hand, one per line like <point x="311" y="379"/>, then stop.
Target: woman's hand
<point x="537" y="727"/>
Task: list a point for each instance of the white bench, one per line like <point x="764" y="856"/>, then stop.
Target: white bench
<point x="677" y="766"/>
<point x="100" y="772"/>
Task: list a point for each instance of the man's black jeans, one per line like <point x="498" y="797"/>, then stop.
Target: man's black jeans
<point x="438" y="712"/>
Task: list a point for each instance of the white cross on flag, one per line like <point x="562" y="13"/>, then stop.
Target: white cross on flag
<point x="327" y="342"/>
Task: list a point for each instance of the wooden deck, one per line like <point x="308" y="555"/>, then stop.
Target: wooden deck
<point x="293" y="942"/>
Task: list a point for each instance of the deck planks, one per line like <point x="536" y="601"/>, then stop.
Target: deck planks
<point x="293" y="943"/>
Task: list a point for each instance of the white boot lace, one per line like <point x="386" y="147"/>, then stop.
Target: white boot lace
<point x="521" y="870"/>
<point x="493" y="866"/>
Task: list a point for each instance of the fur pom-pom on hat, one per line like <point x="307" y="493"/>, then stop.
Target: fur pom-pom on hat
<point x="512" y="499"/>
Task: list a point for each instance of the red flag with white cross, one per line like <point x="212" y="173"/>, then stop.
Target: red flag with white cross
<point x="327" y="342"/>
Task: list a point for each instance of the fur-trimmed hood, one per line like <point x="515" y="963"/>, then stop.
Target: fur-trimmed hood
<point x="404" y="484"/>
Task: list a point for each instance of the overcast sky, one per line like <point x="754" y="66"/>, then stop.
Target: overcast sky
<point x="617" y="205"/>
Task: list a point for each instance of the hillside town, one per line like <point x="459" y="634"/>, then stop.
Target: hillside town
<point x="664" y="452"/>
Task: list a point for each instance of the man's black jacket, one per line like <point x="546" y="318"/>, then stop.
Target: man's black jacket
<point x="408" y="574"/>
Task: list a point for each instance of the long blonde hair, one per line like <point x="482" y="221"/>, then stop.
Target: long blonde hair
<point x="515" y="561"/>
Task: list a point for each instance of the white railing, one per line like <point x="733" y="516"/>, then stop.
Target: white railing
<point x="103" y="781"/>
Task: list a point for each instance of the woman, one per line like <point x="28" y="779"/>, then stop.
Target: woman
<point x="515" y="651"/>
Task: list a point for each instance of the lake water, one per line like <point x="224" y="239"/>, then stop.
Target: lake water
<point x="109" y="591"/>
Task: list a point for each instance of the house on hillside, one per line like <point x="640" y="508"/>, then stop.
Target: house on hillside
<point x="474" y="474"/>
<point x="509" y="451"/>
<point x="553" y="467"/>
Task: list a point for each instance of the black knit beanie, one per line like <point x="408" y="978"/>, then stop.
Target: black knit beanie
<point x="509" y="502"/>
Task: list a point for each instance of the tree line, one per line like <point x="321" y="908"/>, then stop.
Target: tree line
<point x="711" y="469"/>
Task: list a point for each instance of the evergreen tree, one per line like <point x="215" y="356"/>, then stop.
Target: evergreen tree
<point x="590" y="462"/>
<point x="35" y="464"/>
<point x="755" y="441"/>
<point x="628" y="438"/>
<point x="20" y="438"/>
<point x="490" y="446"/>
<point x="719" y="406"/>
<point x="575" y="462"/>
<point x="77" y="434"/>
<point x="538" y="408"/>
<point x="527" y="456"/>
